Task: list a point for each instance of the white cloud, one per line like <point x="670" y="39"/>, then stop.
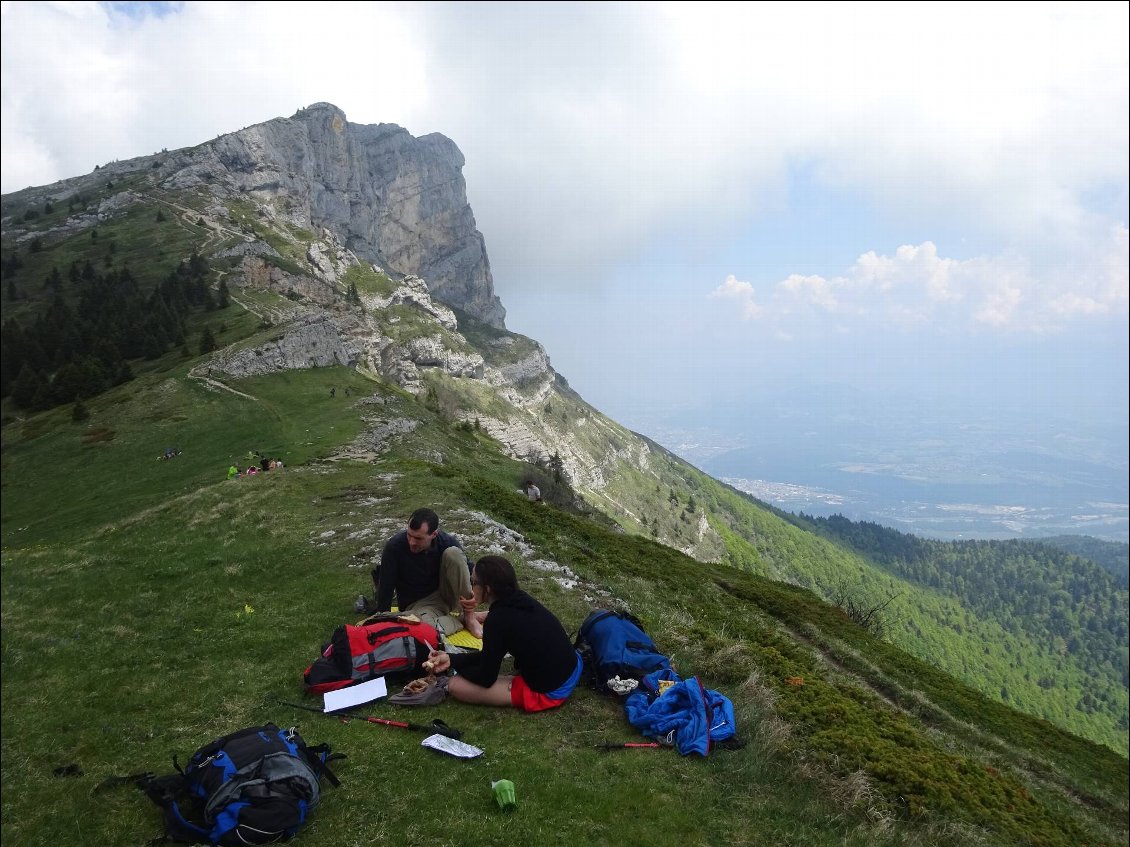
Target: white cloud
<point x="916" y="287"/>
<point x="1103" y="283"/>
<point x="90" y="85"/>
<point x="740" y="292"/>
<point x="813" y="290"/>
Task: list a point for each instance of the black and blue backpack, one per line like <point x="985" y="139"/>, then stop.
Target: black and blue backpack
<point x="255" y="786"/>
<point x="614" y="644"/>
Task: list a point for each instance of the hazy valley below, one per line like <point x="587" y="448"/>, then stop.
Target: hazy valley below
<point x="942" y="474"/>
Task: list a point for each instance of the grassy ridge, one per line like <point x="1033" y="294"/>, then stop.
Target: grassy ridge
<point x="172" y="636"/>
<point x="165" y="606"/>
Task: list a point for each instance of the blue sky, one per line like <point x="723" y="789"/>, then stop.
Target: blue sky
<point x="679" y="199"/>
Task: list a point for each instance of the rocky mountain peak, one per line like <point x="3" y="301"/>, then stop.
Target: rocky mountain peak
<point x="393" y="199"/>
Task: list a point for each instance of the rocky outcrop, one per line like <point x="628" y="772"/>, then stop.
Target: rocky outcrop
<point x="431" y="352"/>
<point x="413" y="291"/>
<point x="313" y="342"/>
<point x="257" y="273"/>
<point x="392" y="198"/>
<point x="525" y="383"/>
<point x="589" y="449"/>
<point x="329" y="258"/>
<point x="325" y="332"/>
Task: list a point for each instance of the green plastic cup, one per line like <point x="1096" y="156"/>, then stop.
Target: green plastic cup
<point x="503" y="790"/>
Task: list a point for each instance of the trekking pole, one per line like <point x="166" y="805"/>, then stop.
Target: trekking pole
<point x="629" y="745"/>
<point x="436" y="726"/>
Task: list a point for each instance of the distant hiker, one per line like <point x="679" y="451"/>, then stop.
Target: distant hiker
<point x="547" y="665"/>
<point x="265" y="463"/>
<point x="333" y="391"/>
<point x="428" y="571"/>
<point x="233" y="472"/>
<point x="533" y="492"/>
<point x="251" y="470"/>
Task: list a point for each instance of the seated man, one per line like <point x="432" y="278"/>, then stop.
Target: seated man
<point x="428" y="572"/>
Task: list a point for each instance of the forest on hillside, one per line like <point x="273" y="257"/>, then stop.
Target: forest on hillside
<point x="1051" y="597"/>
<point x="1108" y="555"/>
<point x="81" y="343"/>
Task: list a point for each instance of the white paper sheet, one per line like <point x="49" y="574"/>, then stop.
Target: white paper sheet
<point x="355" y="695"/>
<point x="451" y="746"/>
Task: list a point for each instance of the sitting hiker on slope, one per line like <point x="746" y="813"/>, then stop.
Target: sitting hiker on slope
<point x="547" y="666"/>
<point x="428" y="571"/>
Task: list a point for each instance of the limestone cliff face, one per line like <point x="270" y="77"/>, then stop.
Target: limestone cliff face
<point x="391" y="198"/>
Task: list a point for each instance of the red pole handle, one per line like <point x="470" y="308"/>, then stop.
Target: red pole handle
<point x="371" y="719"/>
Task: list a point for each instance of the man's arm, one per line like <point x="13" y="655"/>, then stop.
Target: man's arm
<point x="388" y="578"/>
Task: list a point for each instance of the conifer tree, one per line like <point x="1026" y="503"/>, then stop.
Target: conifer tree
<point x="25" y="386"/>
<point x="557" y="467"/>
<point x="207" y="341"/>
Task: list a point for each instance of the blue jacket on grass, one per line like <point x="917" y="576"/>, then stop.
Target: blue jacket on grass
<point x="686" y="715"/>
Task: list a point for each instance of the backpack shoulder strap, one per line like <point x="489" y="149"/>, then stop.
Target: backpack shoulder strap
<point x="164" y="791"/>
<point x="588" y="624"/>
<point x="319" y="758"/>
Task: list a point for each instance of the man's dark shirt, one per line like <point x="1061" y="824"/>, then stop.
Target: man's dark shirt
<point x="527" y="630"/>
<point x="411" y="576"/>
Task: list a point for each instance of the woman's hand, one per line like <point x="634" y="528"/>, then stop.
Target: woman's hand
<point x="437" y="662"/>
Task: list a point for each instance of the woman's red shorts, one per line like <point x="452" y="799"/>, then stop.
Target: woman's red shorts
<point x="522" y="697"/>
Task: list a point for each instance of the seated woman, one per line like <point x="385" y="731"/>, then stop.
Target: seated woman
<point x="547" y="666"/>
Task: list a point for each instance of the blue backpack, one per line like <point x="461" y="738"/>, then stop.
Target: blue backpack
<point x="613" y="644"/>
<point x="255" y="786"/>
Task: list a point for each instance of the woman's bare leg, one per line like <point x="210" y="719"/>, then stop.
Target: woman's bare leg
<point x="498" y="694"/>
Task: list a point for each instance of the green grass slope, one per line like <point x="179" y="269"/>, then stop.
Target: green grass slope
<point x="149" y="606"/>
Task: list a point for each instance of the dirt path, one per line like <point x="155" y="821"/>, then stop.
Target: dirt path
<point x="195" y="218"/>
<point x="202" y="372"/>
